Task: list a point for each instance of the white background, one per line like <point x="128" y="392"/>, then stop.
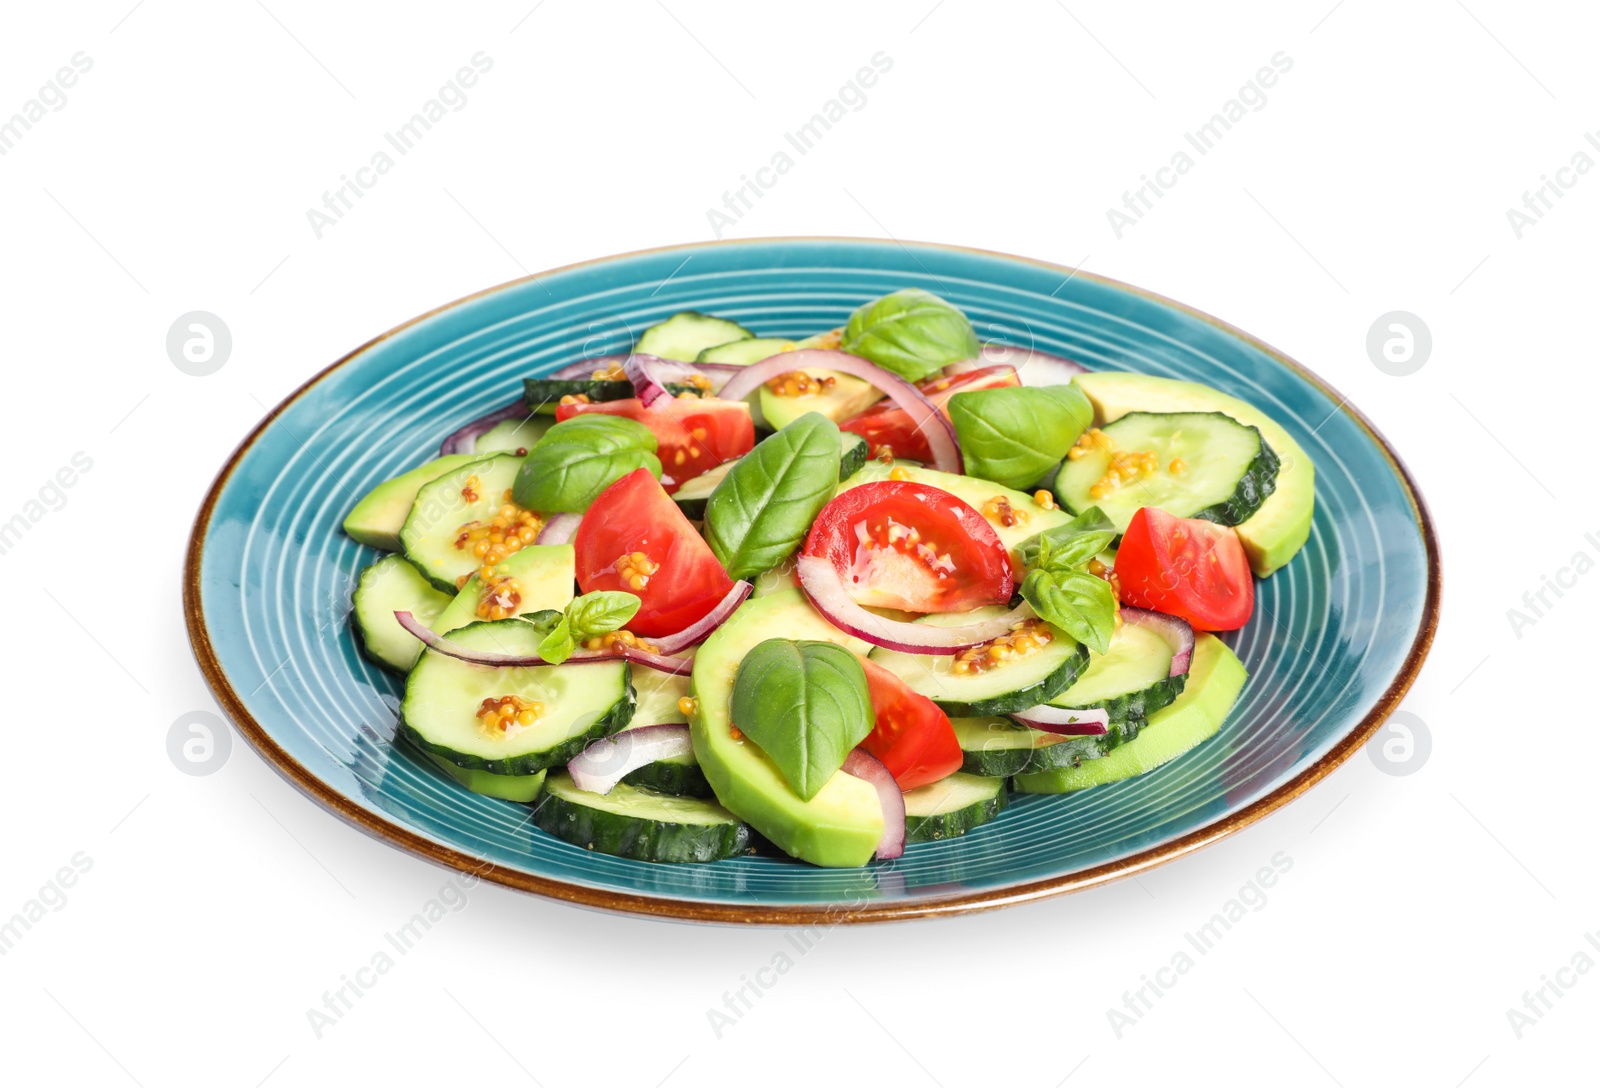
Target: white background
<point x="1377" y="177"/>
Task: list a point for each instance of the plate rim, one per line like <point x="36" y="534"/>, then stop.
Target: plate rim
<point x="663" y="907"/>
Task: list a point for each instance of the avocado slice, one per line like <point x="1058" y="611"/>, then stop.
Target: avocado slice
<point x="1273" y="534"/>
<point x="1216" y="677"/>
<point x="376" y="520"/>
<point x="544" y="574"/>
<point x="849" y="397"/>
<point x="839" y="827"/>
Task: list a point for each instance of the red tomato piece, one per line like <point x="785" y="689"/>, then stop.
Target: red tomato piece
<point x="912" y="737"/>
<point x="885" y="425"/>
<point x="1185" y="567"/>
<point x="693" y="434"/>
<point x="634" y="539"/>
<point x="900" y="544"/>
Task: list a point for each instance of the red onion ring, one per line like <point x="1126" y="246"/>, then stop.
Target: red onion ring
<point x="700" y="630"/>
<point x="827" y="592"/>
<point x="560" y="529"/>
<point x="1176" y="632"/>
<point x="599" y="767"/>
<point x="1067" y="723"/>
<point x="465" y="440"/>
<point x="865" y="767"/>
<point x="940" y="432"/>
<point x="679" y="666"/>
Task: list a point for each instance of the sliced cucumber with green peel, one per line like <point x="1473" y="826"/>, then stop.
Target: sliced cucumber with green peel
<point x="1225" y="469"/>
<point x="544" y="577"/>
<point x="505" y="787"/>
<point x="1216" y="678"/>
<point x="1002" y="747"/>
<point x="543" y="395"/>
<point x="388" y="586"/>
<point x="1130" y="680"/>
<point x="377" y="519"/>
<point x="641" y="824"/>
<point x="656" y="697"/>
<point x="691" y="497"/>
<point x="1004" y="689"/>
<point x="445" y="505"/>
<point x="683" y="336"/>
<point x="511" y="435"/>
<point x="952" y="806"/>
<point x="744" y="352"/>
<point x="582" y="703"/>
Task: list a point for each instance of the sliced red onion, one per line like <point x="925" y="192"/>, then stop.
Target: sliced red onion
<point x="599" y="767"/>
<point x="940" y="432"/>
<point x="699" y="631"/>
<point x="826" y="589"/>
<point x="1068" y="723"/>
<point x="1033" y="367"/>
<point x="465" y="440"/>
<point x="559" y="529"/>
<point x="1177" y="634"/>
<point x="650" y="376"/>
<point x="679" y="666"/>
<point x="867" y="768"/>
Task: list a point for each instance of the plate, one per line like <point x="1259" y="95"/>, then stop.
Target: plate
<point x="1337" y="636"/>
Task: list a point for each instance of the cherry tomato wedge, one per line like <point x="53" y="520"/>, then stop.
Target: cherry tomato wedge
<point x="1195" y="570"/>
<point x="693" y="434"/>
<point x="885" y="425"/>
<point x="900" y="544"/>
<point x="912" y="737"/>
<point x="634" y="539"/>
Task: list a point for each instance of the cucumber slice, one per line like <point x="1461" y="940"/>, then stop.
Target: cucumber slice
<point x="1129" y="680"/>
<point x="444" y="506"/>
<point x="691" y="497"/>
<point x="1002" y="747"/>
<point x="376" y="520"/>
<point x="543" y="395"/>
<point x="388" y="586"/>
<point x="656" y="703"/>
<point x="1227" y="469"/>
<point x="952" y="806"/>
<point x="1005" y="689"/>
<point x="744" y="352"/>
<point x="506" y="787"/>
<point x="582" y="703"/>
<point x="544" y="577"/>
<point x="641" y="825"/>
<point x="683" y="336"/>
<point x="1215" y="680"/>
<point x="511" y="435"/>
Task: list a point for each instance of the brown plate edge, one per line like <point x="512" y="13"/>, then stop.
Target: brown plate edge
<point x="691" y="910"/>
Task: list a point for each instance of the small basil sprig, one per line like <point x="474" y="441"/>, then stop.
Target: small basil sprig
<point x="580" y="457"/>
<point x="805" y="704"/>
<point x="763" y="508"/>
<point x="910" y="332"/>
<point x="1015" y="434"/>
<point x="592" y="614"/>
<point x="1057" y="587"/>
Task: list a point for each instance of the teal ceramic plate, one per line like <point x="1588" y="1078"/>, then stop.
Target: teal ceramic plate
<point x="1337" y="636"/>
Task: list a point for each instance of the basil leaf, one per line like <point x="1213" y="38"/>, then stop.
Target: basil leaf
<point x="602" y="432"/>
<point x="1071" y="545"/>
<point x="585" y="617"/>
<point x="1015" y="434"/>
<point x="566" y="477"/>
<point x="1077" y="602"/>
<point x="761" y="511"/>
<point x="544" y="620"/>
<point x="910" y="332"/>
<point x="805" y="704"/>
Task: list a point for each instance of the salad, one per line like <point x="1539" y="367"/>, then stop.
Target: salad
<point x="730" y="593"/>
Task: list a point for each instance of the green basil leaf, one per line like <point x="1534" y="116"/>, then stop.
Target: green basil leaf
<point x="805" y="704"/>
<point x="559" y="644"/>
<point x="1078" y="603"/>
<point x="566" y="477"/>
<point x="761" y="511"/>
<point x="544" y="620"/>
<point x="910" y="332"/>
<point x="602" y="432"/>
<point x="1015" y="434"/>
<point x="600" y="613"/>
<point x="1071" y="545"/>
